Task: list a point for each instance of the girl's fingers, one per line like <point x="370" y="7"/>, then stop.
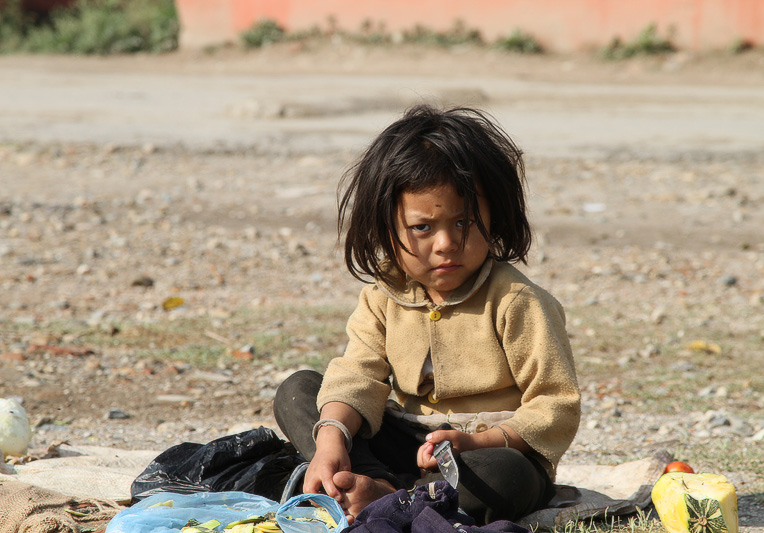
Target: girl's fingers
<point x="424" y="456"/>
<point x="331" y="489"/>
<point x="440" y="435"/>
<point x="311" y="486"/>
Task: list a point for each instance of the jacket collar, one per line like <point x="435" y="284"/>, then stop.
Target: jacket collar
<point x="410" y="293"/>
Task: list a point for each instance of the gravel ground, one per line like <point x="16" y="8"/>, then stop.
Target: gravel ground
<point x="655" y="248"/>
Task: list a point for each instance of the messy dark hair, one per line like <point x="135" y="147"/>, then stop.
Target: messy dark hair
<point x="426" y="148"/>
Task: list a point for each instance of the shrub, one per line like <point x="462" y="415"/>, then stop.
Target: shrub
<point x="94" y="27"/>
<point x="458" y="34"/>
<point x="646" y="43"/>
<point x="740" y="45"/>
<point x="262" y="33"/>
<point x="520" y="42"/>
<point x="13" y="22"/>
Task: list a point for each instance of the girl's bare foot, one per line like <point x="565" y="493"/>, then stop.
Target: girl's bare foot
<point x="359" y="491"/>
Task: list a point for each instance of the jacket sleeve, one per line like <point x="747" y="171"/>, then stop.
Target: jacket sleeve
<point x="360" y="377"/>
<point x="541" y="362"/>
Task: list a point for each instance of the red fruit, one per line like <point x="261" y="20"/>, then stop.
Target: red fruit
<point x="679" y="466"/>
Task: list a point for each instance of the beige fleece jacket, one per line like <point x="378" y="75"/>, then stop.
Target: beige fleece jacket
<point x="499" y="344"/>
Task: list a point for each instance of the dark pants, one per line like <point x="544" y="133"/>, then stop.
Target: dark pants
<point x="494" y="483"/>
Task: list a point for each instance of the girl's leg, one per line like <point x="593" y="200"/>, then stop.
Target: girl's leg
<point x="494" y="483"/>
<point x="499" y="484"/>
<point x="294" y="407"/>
<point x="295" y="410"/>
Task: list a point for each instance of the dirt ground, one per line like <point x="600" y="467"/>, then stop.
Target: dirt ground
<point x="212" y="178"/>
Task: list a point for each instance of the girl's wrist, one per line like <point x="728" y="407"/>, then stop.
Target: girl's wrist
<point x="330" y="439"/>
<point x="495" y="437"/>
<point x="504" y="435"/>
<point x="338" y="432"/>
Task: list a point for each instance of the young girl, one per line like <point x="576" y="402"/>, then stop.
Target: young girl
<point x="450" y="341"/>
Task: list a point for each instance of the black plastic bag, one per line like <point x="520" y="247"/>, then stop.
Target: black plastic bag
<point x="256" y="461"/>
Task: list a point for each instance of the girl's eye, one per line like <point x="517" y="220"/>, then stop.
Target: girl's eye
<point x="464" y="223"/>
<point x="420" y="227"/>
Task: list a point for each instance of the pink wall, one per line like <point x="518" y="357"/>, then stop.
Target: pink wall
<point x="560" y="25"/>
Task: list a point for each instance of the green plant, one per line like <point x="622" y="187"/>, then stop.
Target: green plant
<point x="93" y="27"/>
<point x="13" y="22"/>
<point x="262" y="33"/>
<point x="740" y="45"/>
<point x="520" y="42"/>
<point x="371" y="33"/>
<point x="648" y="42"/>
<point x="640" y="522"/>
<point x="458" y="34"/>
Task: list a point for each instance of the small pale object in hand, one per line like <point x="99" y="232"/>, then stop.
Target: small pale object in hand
<point x="15" y="431"/>
<point x="444" y="455"/>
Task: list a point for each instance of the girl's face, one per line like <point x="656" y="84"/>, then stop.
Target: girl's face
<point x="431" y="224"/>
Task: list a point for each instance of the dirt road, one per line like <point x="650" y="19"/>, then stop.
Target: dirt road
<point x="552" y="107"/>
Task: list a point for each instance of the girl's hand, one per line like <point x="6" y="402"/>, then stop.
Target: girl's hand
<point x="460" y="441"/>
<point x="331" y="455"/>
<point x="329" y="459"/>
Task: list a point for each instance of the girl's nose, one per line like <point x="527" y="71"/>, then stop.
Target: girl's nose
<point x="446" y="241"/>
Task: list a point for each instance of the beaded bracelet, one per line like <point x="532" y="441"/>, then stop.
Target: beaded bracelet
<point x="505" y="434"/>
<point x="337" y="424"/>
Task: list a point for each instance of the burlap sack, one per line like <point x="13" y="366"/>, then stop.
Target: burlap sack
<point x="28" y="509"/>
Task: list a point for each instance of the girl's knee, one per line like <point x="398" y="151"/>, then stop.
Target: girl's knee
<point x="298" y="389"/>
<point x="298" y="384"/>
<point x="500" y="483"/>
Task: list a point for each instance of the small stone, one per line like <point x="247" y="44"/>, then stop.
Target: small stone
<point x="716" y="419"/>
<point x="142" y="281"/>
<point x="175" y="398"/>
<point x="96" y="318"/>
<point x="268" y="393"/>
<point x="684" y="366"/>
<point x="212" y="377"/>
<point x="649" y="351"/>
<point x="728" y="281"/>
<point x="117" y="414"/>
<point x="758" y="436"/>
<point x="658" y="316"/>
<point x="741" y="427"/>
<point x="44" y="421"/>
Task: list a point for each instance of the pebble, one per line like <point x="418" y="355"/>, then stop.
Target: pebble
<point x="214" y="377"/>
<point x="174" y="398"/>
<point x="716" y="419"/>
<point x="142" y="281"/>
